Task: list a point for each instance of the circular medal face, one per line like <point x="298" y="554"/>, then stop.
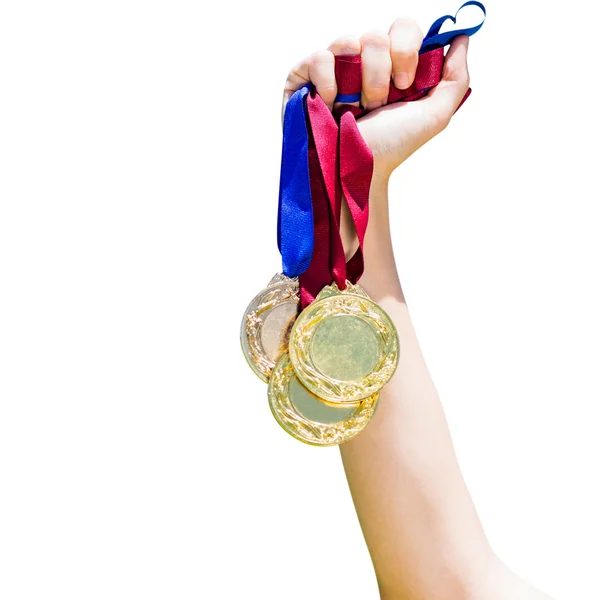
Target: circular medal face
<point x="308" y="418"/>
<point x="343" y="346"/>
<point x="267" y="323"/>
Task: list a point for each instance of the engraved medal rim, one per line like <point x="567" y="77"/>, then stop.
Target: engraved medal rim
<point x="333" y="390"/>
<point x="310" y="432"/>
<point x="253" y="350"/>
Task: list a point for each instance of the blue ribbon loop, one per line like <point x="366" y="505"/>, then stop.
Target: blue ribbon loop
<point x="434" y="39"/>
<point x="295" y="234"/>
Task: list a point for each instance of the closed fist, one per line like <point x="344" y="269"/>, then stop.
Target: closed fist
<point x="392" y="131"/>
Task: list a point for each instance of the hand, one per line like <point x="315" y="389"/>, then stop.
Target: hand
<point x="392" y="132"/>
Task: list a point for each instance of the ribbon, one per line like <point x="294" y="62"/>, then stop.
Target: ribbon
<point x="322" y="160"/>
<point x="434" y="39"/>
<point x="295" y="235"/>
<point x="348" y="76"/>
<point x="356" y="171"/>
<point x="341" y="161"/>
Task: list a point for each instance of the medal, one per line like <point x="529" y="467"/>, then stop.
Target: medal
<point x="306" y="417"/>
<point x="267" y="323"/>
<point x="269" y="316"/>
<point x="343" y="346"/>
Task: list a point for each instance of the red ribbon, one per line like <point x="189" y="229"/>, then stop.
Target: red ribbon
<point x="311" y="281"/>
<point x="341" y="161"/>
<point x="345" y="163"/>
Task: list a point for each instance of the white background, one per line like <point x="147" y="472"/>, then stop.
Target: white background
<point x="139" y="158"/>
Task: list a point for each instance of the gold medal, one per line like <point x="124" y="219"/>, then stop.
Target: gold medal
<point x="267" y="323"/>
<point x="309" y="419"/>
<point x="343" y="346"/>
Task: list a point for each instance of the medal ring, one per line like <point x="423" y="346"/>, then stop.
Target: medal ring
<point x="343" y="346"/>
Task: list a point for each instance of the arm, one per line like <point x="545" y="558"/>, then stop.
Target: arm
<point x="417" y="516"/>
<point x="418" y="519"/>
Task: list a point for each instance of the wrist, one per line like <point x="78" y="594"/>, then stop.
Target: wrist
<point x="379" y="183"/>
<point x="380" y="277"/>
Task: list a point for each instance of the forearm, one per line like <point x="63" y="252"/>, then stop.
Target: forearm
<point x="417" y="516"/>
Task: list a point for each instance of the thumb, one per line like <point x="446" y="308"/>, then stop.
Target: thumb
<point x="444" y="99"/>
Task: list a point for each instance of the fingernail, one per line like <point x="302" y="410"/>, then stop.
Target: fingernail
<point x="373" y="105"/>
<point x="401" y="80"/>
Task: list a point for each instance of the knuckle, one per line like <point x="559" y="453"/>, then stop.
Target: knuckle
<point x="327" y="90"/>
<point x="461" y="79"/>
<point x="346" y="44"/>
<point x="377" y="85"/>
<point x="402" y="54"/>
<point x="408" y="24"/>
<point x="405" y="21"/>
<point x="321" y="57"/>
<point x="375" y="94"/>
<point x="295" y="73"/>
<point x="406" y="38"/>
<point x="376" y="39"/>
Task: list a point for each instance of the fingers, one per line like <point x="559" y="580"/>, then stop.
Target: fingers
<point x="385" y="57"/>
<point x="376" y="69"/>
<point x="405" y="38"/>
<point x="446" y="97"/>
<point x="319" y="68"/>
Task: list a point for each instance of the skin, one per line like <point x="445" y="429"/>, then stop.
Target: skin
<point x="419" y="522"/>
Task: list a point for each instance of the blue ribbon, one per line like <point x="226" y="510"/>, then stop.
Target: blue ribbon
<point x="434" y="39"/>
<point x="295" y="233"/>
<point x="347" y="98"/>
